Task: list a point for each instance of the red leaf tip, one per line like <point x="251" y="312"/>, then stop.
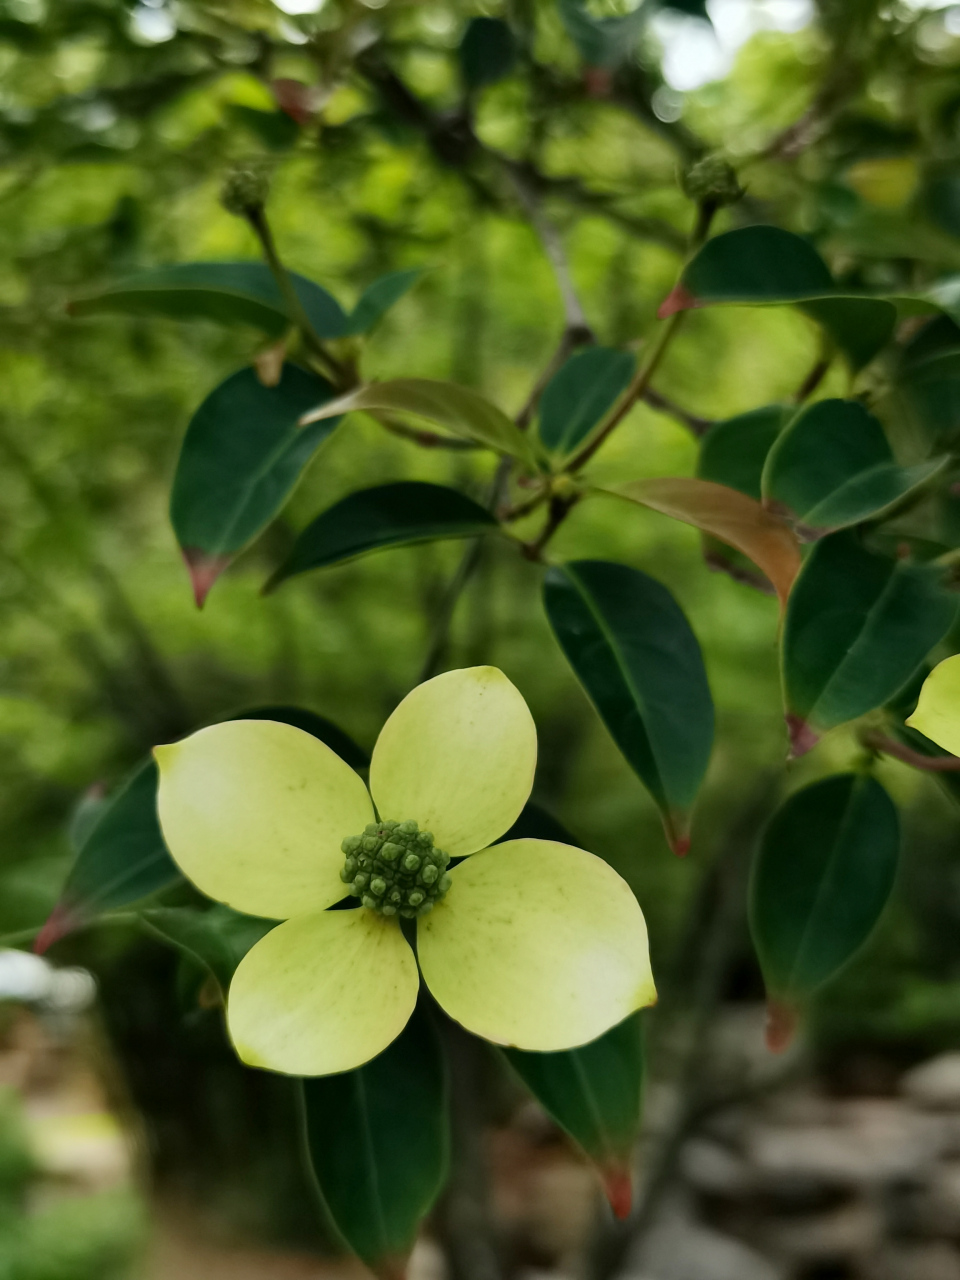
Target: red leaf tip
<point x="782" y="1021"/>
<point x="618" y="1186"/>
<point x="294" y="98"/>
<point x="802" y="737"/>
<point x="678" y="299"/>
<point x="60" y="922"/>
<point x="204" y="569"/>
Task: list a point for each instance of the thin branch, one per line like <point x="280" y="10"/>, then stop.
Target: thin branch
<point x="877" y="741"/>
<point x="813" y="379"/>
<point x="575" y="320"/>
<point x="699" y="426"/>
<point x="633" y="393"/>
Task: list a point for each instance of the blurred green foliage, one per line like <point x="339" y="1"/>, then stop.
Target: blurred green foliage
<point x="113" y="144"/>
<point x="94" y="1236"/>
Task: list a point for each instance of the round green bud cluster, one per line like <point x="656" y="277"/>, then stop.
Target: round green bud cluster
<point x="712" y="181"/>
<point x="245" y="188"/>
<point x="394" y="869"/>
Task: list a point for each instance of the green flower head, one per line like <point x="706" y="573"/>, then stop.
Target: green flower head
<point x="528" y="943"/>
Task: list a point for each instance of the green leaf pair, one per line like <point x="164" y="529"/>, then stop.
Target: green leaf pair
<point x="857" y="627"/>
<point x="827" y="467"/>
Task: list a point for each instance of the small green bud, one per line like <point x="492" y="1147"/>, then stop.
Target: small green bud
<point x="396" y="895"/>
<point x="388" y="824"/>
<point x="388" y="909"/>
<point x="350" y="845"/>
<point x="425" y="838"/>
<point x="370" y="844"/>
<point x="425" y="909"/>
<point x="361" y="879"/>
<point x="371" y="829"/>
<point x="245" y="188"/>
<point x="407" y="828"/>
<point x="378" y="886"/>
<point x="411" y="862"/>
<point x="415" y="897"/>
<point x="408" y="913"/>
<point x="712" y="180"/>
<point x="443" y="884"/>
<point x="390" y="851"/>
<point x="429" y="874"/>
<point x="369" y="902"/>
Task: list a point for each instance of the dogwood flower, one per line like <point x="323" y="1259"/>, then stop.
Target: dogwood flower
<point x="528" y="943"/>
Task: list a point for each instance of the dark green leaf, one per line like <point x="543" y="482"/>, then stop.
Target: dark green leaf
<point x="379" y="297"/>
<point x="833" y="467"/>
<point x="227" y="292"/>
<point x="390" y="515"/>
<point x="487" y="52"/>
<point x="821" y="879"/>
<point x="602" y="42"/>
<point x="241" y="457"/>
<point x="766" y="265"/>
<point x="639" y="662"/>
<point x="463" y="411"/>
<point x="218" y="938"/>
<point x="733" y="452"/>
<point x="857" y="626"/>
<point x="594" y="1093"/>
<point x="378" y="1143"/>
<point x="579" y="395"/>
<point x="122" y="860"/>
<point x="930" y="391"/>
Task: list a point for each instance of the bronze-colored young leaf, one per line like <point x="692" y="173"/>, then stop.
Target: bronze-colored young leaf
<point x="729" y="515"/>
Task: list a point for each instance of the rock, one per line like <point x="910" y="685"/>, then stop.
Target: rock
<point x="914" y="1262"/>
<point x="715" y="1170"/>
<point x="871" y="1143"/>
<point x="838" y="1237"/>
<point x="679" y="1248"/>
<point x="935" y="1084"/>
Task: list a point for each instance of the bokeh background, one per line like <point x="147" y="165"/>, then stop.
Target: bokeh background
<point x="131" y="1143"/>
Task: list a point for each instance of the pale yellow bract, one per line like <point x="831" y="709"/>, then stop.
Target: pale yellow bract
<point x="537" y="944"/>
<point x="938" y="710"/>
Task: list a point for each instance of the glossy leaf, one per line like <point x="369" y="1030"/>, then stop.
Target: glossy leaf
<point x="767" y="265"/>
<point x="930" y="391"/>
<point x="832" y="467"/>
<point x="858" y="625"/>
<point x="227" y="292"/>
<point x="217" y="938"/>
<point x="123" y="858"/>
<point x="379" y="297"/>
<point x="733" y="451"/>
<point x="728" y="515"/>
<point x="378" y="1143"/>
<point x="640" y="664"/>
<point x="822" y="877"/>
<point x="241" y="457"/>
<point x="390" y="515"/>
<point x="580" y="394"/>
<point x="594" y="1094"/>
<point x="488" y="52"/>
<point x="463" y="412"/>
